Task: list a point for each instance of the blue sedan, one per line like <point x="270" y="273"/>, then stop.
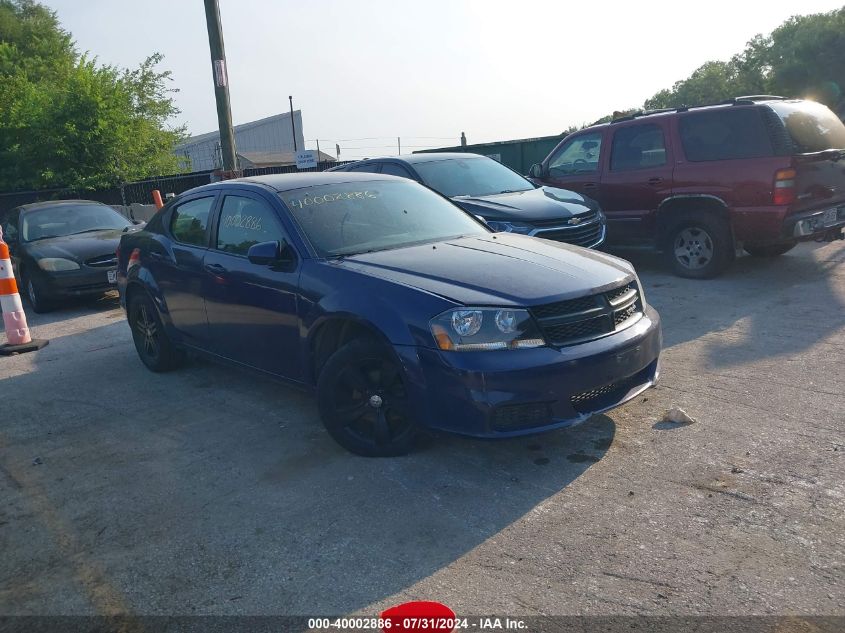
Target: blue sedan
<point x="400" y="310"/>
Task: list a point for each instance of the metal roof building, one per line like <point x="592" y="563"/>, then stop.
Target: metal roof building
<point x="271" y="134"/>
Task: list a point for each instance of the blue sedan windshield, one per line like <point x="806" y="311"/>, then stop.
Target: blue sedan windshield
<point x="360" y="217"/>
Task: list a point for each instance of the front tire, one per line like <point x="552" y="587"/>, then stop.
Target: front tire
<point x="363" y="401"/>
<point x="699" y="246"/>
<point x="770" y="250"/>
<point x="38" y="299"/>
<point x="153" y="345"/>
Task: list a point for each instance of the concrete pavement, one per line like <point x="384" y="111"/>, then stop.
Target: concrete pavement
<point x="209" y="491"/>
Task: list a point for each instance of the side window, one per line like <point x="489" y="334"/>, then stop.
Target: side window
<point x="244" y="222"/>
<point x="725" y="134"/>
<point x="637" y="147"/>
<point x="189" y="221"/>
<point x="395" y="170"/>
<point x="10" y="225"/>
<point x="578" y="156"/>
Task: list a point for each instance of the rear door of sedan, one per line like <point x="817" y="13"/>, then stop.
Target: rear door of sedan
<point x="252" y="308"/>
<point x="176" y="265"/>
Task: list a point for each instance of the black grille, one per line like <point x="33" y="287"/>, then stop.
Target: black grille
<point x="521" y="416"/>
<point x="102" y="261"/>
<point x="589" y="328"/>
<point x="587" y="318"/>
<point x="617" y="293"/>
<point x="606" y="395"/>
<point x="592" y="394"/>
<point x="584" y="218"/>
<point x="577" y="235"/>
<point x="565" y="307"/>
<point x="623" y="315"/>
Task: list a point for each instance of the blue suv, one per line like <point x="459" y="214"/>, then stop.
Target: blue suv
<point x="401" y="311"/>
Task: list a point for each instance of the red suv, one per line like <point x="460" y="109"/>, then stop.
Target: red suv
<point x="760" y="173"/>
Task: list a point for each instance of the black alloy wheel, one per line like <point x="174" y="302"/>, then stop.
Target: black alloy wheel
<point x="151" y="342"/>
<point x="364" y="403"/>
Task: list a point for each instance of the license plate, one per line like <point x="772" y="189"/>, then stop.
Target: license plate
<point x="112" y="276"/>
<point x="830" y="217"/>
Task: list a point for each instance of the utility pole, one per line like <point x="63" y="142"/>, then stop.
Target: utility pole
<point x="318" y="150"/>
<point x="399" y="143"/>
<point x="292" y="124"/>
<point x="221" y="84"/>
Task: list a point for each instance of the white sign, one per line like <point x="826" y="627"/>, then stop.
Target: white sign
<point x="220" y="76"/>
<point x="306" y="158"/>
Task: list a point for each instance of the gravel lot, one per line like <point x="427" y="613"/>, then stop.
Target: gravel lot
<point x="209" y="491"/>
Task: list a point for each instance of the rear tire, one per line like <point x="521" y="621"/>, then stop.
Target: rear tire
<point x="698" y="245"/>
<point x="153" y="345"/>
<point x="363" y="401"/>
<point x="38" y="299"/>
<point x="771" y="250"/>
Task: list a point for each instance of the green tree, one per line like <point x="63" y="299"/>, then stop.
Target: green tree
<point x="67" y="121"/>
<point x="804" y="57"/>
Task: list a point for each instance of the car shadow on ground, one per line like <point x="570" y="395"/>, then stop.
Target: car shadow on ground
<point x="70" y="309"/>
<point x="760" y="307"/>
<point x="208" y="490"/>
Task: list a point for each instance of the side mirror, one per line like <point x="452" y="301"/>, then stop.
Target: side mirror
<point x="271" y="253"/>
<point x="536" y="170"/>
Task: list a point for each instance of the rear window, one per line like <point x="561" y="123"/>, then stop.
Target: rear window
<point x="725" y="134"/>
<point x="190" y="220"/>
<point x="811" y="126"/>
<point x="637" y="147"/>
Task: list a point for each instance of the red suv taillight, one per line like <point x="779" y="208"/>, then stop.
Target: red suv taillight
<point x="784" y="190"/>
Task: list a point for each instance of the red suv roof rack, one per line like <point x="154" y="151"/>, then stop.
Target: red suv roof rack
<point x="753" y="98"/>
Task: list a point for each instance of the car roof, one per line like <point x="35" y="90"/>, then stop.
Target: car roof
<point x="288" y="182"/>
<point x="33" y="206"/>
<point x="752" y="101"/>
<point x="414" y="159"/>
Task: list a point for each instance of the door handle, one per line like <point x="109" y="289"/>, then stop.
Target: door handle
<point x="216" y="269"/>
<point x="590" y="185"/>
<point x="655" y="181"/>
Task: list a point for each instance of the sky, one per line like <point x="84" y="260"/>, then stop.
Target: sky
<point x="365" y="72"/>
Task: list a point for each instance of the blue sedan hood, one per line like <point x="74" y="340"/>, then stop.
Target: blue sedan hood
<point x="544" y="203"/>
<point x="504" y="269"/>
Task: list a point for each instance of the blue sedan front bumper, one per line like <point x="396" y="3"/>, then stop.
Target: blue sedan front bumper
<point x="510" y="393"/>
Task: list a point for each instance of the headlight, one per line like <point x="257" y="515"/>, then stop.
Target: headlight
<point x="55" y="264"/>
<point x="480" y="329"/>
<point x="510" y="227"/>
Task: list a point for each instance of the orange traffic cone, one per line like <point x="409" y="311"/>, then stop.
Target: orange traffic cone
<point x="14" y="318"/>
